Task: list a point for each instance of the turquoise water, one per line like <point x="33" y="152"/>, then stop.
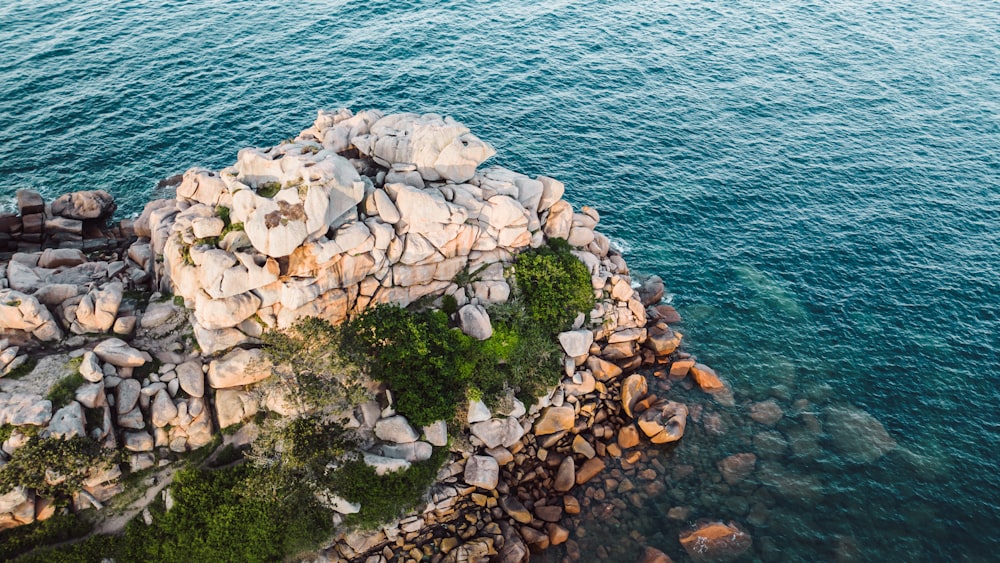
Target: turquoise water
<point x="818" y="183"/>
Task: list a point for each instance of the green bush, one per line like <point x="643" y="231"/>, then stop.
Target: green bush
<point x="59" y="528"/>
<point x="426" y="364"/>
<point x="554" y="285"/>
<point x="70" y="458"/>
<point x="385" y="497"/>
<point x="308" y="364"/>
<point x="211" y="521"/>
<point x="64" y="390"/>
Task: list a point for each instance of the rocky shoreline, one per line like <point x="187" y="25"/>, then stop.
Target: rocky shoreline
<point x="359" y="209"/>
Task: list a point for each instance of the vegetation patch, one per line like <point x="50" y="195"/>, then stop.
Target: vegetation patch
<point x="59" y="528"/>
<point x="22" y="370"/>
<point x="212" y="520"/>
<point x="385" y="497"/>
<point x="64" y="390"/>
<point x="69" y="460"/>
<point x="554" y="285"/>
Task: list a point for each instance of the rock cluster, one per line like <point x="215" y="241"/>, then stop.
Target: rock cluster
<point x="357" y="210"/>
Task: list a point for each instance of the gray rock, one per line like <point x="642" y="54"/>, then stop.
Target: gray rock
<point x="437" y="433"/>
<point x="384" y="464"/>
<point x="498" y="432"/>
<point x="91" y="395"/>
<point x="138" y="441"/>
<point x="67" y="422"/>
<point x="191" y="378"/>
<point x="90" y="368"/>
<point x="132" y="419"/>
<point x="395" y="429"/>
<point x="163" y="409"/>
<point x="475" y="322"/>
<point x="117" y="353"/>
<point x="157" y="314"/>
<point x="128" y="395"/>
<point x="576" y="342"/>
<point x="412" y="451"/>
<point x="478" y="412"/>
<point x="52" y="258"/>
<point x="482" y="471"/>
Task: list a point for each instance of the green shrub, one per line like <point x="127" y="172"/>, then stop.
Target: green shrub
<point x="425" y="363"/>
<point x="385" y="497"/>
<point x="308" y="364"/>
<point x="211" y="521"/>
<point x="449" y="304"/>
<point x="59" y="528"/>
<point x="64" y="390"/>
<point x="70" y="458"/>
<point x="554" y="285"/>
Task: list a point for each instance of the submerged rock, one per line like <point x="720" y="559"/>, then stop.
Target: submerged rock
<point x="857" y="435"/>
<point x="715" y="541"/>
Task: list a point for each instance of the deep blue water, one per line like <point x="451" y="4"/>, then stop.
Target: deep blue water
<point x="818" y="182"/>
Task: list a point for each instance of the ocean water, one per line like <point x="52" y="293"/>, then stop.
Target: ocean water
<point x="818" y="183"/>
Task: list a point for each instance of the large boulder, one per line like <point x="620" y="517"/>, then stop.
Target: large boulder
<point x="441" y="148"/>
<point x="316" y="191"/>
<point x="67" y="422"/>
<point x="117" y="353"/>
<point x="482" y="471"/>
<point x="664" y="421"/>
<point x="98" y="309"/>
<point x="93" y="204"/>
<point x="498" y="432"/>
<point x="20" y="311"/>
<point x="239" y="367"/>
<point x="576" y="342"/>
<point x="555" y="419"/>
<point x="475" y="321"/>
<point x="395" y="429"/>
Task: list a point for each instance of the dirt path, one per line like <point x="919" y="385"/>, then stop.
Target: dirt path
<point x="116" y="524"/>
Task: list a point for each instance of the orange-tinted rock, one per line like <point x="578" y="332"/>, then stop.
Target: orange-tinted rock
<point x="515" y="509"/>
<point x="706" y="378"/>
<point x="555" y="419"/>
<point x="537" y="541"/>
<point x="715" y="541"/>
<point x="603" y="370"/>
<point x="680" y="368"/>
<point x="738" y="467"/>
<point x="589" y="470"/>
<point x="653" y="555"/>
<point x="557" y="534"/>
<point x="628" y="437"/>
<point x="664" y="422"/>
<point x="571" y="505"/>
<point x="566" y="475"/>
<point x="634" y="388"/>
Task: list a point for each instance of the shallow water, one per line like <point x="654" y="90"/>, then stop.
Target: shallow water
<point x="818" y="183"/>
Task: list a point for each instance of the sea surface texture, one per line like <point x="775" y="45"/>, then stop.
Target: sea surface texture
<point x="818" y="182"/>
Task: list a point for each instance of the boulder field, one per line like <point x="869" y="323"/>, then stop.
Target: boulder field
<point x="161" y="318"/>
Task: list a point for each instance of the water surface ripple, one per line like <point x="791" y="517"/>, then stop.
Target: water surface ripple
<point x="817" y="181"/>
